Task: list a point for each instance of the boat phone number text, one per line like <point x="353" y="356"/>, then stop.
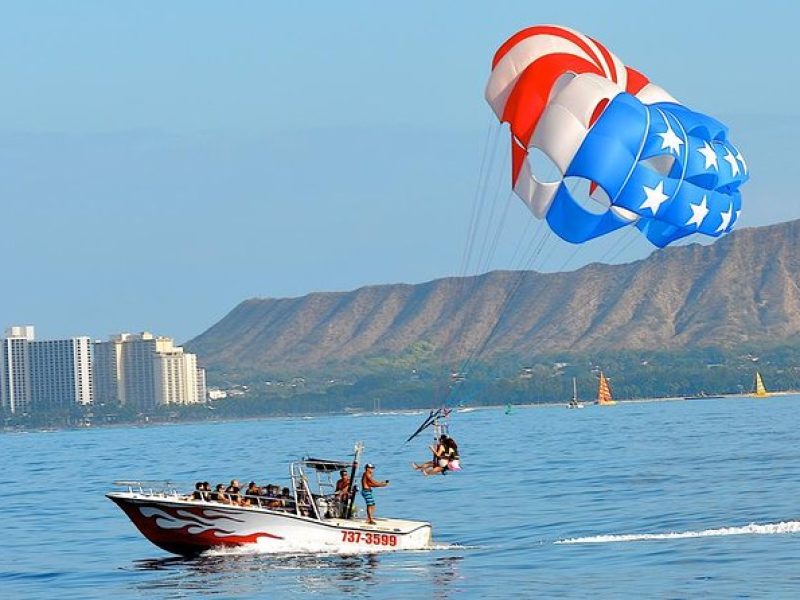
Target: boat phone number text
<point x="376" y="539"/>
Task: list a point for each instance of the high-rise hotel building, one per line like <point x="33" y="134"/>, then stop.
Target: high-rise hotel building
<point x="140" y="370"/>
<point x="44" y="374"/>
<point x="61" y="373"/>
<point x="15" y="381"/>
<point x="144" y="370"/>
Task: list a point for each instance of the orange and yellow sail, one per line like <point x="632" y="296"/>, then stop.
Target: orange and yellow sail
<point x="604" y="397"/>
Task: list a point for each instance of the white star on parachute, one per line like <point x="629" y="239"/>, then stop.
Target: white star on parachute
<point x="699" y="212"/>
<point x="708" y="153"/>
<point x="670" y="140"/>
<point x="654" y="197"/>
<point x="726" y="220"/>
<point x="731" y="160"/>
<point x="740" y="158"/>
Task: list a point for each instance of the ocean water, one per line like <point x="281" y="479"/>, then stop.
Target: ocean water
<point x="680" y="499"/>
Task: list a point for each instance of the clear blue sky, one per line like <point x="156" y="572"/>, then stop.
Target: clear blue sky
<point x="162" y="161"/>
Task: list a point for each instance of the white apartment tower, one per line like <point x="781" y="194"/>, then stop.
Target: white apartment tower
<point x="15" y="371"/>
<point x="60" y="373"/>
<point x="176" y="377"/>
<point x="144" y="370"/>
<point x="202" y="392"/>
<point x="44" y="374"/>
<point x="108" y="375"/>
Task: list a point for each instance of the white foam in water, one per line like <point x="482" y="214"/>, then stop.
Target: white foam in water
<point x="751" y="529"/>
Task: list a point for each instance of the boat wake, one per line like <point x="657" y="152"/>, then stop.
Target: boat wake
<point x="751" y="529"/>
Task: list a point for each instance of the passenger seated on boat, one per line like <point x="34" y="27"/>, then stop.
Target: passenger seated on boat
<point x="269" y="496"/>
<point x="218" y="495"/>
<point x="287" y="500"/>
<point x="234" y="492"/>
<point x="304" y="508"/>
<point x="251" y="495"/>
<point x="198" y="491"/>
<point x="342" y="486"/>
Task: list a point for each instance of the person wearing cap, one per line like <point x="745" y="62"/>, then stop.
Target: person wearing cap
<point x="367" y="483"/>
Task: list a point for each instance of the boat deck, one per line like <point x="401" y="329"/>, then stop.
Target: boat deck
<point x="382" y="524"/>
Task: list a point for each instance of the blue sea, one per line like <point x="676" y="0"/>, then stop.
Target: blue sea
<point x="673" y="499"/>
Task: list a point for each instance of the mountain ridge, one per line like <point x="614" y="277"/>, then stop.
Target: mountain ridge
<point x="741" y="289"/>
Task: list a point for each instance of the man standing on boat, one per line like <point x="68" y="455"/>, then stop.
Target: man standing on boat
<point x="367" y="483"/>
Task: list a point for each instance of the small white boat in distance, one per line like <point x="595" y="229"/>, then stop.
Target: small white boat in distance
<point x="574" y="402"/>
<point x="309" y="517"/>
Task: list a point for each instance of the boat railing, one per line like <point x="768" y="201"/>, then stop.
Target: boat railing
<point x="278" y="503"/>
<point x="317" y="500"/>
<point x="150" y="488"/>
<point x="301" y="502"/>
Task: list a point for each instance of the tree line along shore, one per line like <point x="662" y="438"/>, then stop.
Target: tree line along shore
<point x="395" y="387"/>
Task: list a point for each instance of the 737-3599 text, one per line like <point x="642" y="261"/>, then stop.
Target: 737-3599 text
<point x="375" y="539"/>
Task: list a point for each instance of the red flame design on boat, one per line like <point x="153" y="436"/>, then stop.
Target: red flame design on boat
<point x="190" y="529"/>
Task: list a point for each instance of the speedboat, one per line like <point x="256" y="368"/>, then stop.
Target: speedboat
<point x="310" y="516"/>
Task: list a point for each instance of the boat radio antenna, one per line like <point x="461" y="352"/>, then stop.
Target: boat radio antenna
<point x="351" y="487"/>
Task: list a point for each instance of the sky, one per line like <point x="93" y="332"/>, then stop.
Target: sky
<point x="161" y="162"/>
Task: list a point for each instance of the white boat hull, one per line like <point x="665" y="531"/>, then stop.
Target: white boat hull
<point x="189" y="527"/>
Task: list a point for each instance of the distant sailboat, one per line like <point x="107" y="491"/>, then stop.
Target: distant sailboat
<point x="574" y="402"/>
<point x="604" y="393"/>
<point x="760" y="391"/>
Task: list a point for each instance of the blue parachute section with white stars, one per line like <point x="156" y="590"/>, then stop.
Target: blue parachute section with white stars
<point x="671" y="171"/>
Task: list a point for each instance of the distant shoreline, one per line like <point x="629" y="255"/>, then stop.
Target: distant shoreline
<point x="154" y="422"/>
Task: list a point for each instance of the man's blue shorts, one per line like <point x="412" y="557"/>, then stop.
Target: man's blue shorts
<point x="368" y="498"/>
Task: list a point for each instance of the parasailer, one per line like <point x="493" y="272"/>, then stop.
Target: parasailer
<point x="445" y="457"/>
<point x="445" y="454"/>
<point x="648" y="160"/>
<point x="439" y="450"/>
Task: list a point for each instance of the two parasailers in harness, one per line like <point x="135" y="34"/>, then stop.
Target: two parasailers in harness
<point x="445" y="457"/>
<point x="445" y="449"/>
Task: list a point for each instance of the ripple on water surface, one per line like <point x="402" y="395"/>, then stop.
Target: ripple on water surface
<point x="670" y="499"/>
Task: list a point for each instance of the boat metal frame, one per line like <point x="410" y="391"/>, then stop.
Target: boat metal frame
<point x="318" y="500"/>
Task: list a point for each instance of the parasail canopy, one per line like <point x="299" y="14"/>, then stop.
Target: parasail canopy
<point x="649" y="160"/>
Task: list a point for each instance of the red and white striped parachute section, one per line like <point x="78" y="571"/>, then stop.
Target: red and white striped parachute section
<point x="535" y="64"/>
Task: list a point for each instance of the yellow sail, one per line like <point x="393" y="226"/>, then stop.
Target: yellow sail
<point x="761" y="391"/>
<point x="604" y="392"/>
